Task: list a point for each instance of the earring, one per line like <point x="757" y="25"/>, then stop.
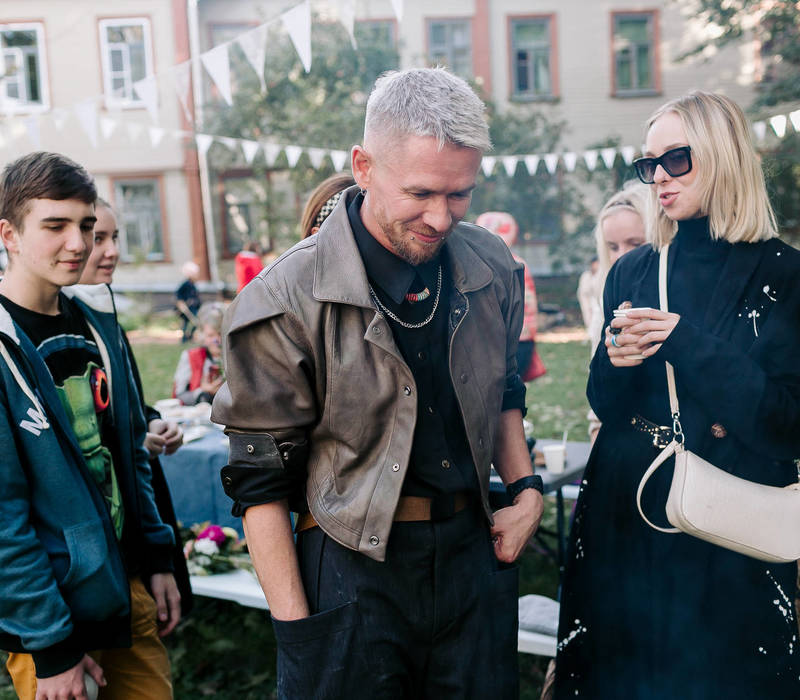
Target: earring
<point x="362" y="191"/>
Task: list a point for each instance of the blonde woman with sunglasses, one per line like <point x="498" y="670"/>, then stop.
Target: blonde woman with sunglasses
<point x="651" y="615"/>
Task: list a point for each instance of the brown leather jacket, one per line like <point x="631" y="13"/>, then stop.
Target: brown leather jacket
<point x="308" y="358"/>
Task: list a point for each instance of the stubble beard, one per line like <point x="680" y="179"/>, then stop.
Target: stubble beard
<point x="401" y="239"/>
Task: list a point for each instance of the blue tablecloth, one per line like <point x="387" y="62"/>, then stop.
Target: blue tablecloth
<point x="193" y="477"/>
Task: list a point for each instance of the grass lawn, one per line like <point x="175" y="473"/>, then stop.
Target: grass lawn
<point x="226" y="651"/>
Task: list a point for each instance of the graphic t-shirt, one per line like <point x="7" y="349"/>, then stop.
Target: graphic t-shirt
<point x="66" y="345"/>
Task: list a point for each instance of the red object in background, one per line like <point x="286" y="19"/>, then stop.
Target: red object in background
<point x="246" y="265"/>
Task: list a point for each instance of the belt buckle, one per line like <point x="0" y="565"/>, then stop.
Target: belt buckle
<point x="661" y="436"/>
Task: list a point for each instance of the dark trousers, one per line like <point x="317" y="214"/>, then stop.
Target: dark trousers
<point x="437" y="619"/>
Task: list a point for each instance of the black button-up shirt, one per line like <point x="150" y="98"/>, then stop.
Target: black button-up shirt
<point x="441" y="461"/>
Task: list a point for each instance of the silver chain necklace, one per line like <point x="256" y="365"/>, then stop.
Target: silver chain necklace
<point x="403" y="323"/>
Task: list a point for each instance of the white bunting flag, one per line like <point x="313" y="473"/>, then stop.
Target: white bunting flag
<point x="134" y="131"/>
<point x="551" y="162"/>
<point x="510" y="164"/>
<point x="795" y="119"/>
<point x="249" y="148"/>
<point x="86" y="111"/>
<point x="271" y="153"/>
<point x="156" y="134"/>
<point x="204" y="142"/>
<point x="760" y="129"/>
<point x="590" y="158"/>
<point x="297" y="22"/>
<point x="147" y="89"/>
<point x="293" y="154"/>
<point x="627" y="154"/>
<point x="531" y="163"/>
<point x="230" y="143"/>
<point x="397" y="6"/>
<point x="487" y="164"/>
<point x="34" y="132"/>
<point x="570" y="161"/>
<point x="182" y="77"/>
<point x="608" y="155"/>
<point x="60" y="116"/>
<point x="339" y="159"/>
<point x="347" y="17"/>
<point x="218" y="66"/>
<point x="107" y="127"/>
<point x="254" y="46"/>
<point x="315" y="155"/>
<point x="778" y="124"/>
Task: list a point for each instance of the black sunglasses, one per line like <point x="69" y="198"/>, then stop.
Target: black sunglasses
<point x="675" y="161"/>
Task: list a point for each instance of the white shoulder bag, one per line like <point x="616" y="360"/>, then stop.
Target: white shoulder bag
<point x="709" y="503"/>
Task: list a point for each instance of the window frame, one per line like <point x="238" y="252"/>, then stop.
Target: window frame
<point x="103" y="24"/>
<point x="514" y="94"/>
<point x="157" y="179"/>
<point x="430" y="21"/>
<point x="655" y="62"/>
<point x="26" y="107"/>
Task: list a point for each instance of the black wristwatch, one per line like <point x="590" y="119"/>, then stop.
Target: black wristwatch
<point x="526" y="482"/>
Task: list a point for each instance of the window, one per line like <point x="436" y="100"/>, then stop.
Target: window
<point x="24" y="77"/>
<point x="449" y="44"/>
<point x="379" y="32"/>
<point x="126" y="53"/>
<point x="634" y="53"/>
<point x="244" y="212"/>
<point x="531" y="63"/>
<point x="139" y="202"/>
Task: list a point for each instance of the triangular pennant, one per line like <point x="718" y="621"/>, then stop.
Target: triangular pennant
<point x="34" y="132"/>
<point x="228" y="142"/>
<point x="628" y="152"/>
<point x="297" y="22"/>
<point x="249" y="148"/>
<point x="107" y="127"/>
<point x="156" y="134"/>
<point x="182" y="76"/>
<point x="778" y="124"/>
<point x="531" y="163"/>
<point x="487" y="164"/>
<point x="608" y="155"/>
<point x="315" y="155"/>
<point x="218" y="66"/>
<point x="397" y="6"/>
<point x="254" y="47"/>
<point x="551" y="162"/>
<point x="760" y="129"/>
<point x="271" y="153"/>
<point x="86" y="111"/>
<point x="204" y="142"/>
<point x="147" y="89"/>
<point x="347" y="17"/>
<point x="293" y="154"/>
<point x="60" y="116"/>
<point x="134" y="131"/>
<point x="590" y="158"/>
<point x="339" y="159"/>
<point x="570" y="160"/>
<point x="510" y="164"/>
<point x="795" y="119"/>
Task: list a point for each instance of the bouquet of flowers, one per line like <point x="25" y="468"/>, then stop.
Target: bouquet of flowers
<point x="211" y="549"/>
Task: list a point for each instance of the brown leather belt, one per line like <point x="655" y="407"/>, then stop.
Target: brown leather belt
<point x="409" y="509"/>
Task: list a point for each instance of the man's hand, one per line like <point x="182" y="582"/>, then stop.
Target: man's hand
<point x="69" y="684"/>
<point x="211" y="386"/>
<point x="515" y="525"/>
<point x="168" y="602"/>
<point x="163" y="436"/>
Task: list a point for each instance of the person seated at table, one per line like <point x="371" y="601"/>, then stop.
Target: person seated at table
<point x="198" y="375"/>
<point x="321" y="202"/>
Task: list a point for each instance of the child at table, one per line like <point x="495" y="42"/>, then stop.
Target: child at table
<point x="198" y="376"/>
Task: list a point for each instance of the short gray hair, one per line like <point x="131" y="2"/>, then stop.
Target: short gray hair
<point x="428" y="102"/>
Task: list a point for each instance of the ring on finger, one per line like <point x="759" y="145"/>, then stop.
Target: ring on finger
<point x="614" y="341"/>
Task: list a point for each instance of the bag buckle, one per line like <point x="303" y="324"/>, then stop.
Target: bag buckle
<point x="662" y="436"/>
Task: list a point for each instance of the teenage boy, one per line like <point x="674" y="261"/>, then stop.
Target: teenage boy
<point x="80" y="537"/>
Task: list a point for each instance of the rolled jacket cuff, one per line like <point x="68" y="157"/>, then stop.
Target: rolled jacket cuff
<point x="56" y="659"/>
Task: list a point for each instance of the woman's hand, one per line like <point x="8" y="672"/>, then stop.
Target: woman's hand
<point x="163" y="437"/>
<point x="651" y="327"/>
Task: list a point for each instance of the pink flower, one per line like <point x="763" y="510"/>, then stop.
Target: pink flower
<point x="213" y="533"/>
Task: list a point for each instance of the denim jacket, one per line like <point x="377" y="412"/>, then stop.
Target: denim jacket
<point x="312" y="369"/>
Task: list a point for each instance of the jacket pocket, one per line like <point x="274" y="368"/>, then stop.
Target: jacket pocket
<point x="86" y="544"/>
<point x="317" y="655"/>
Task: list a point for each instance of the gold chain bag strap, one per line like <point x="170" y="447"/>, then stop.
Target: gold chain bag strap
<point x="709" y="503"/>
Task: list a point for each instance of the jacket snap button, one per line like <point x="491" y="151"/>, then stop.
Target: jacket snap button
<point x="374" y="540"/>
<point x="407" y="390"/>
<point x="250" y="449"/>
<point x="456" y="312"/>
<point x="718" y="430"/>
<point x="480" y="442"/>
<point x="446" y="463"/>
<point x="464" y="378"/>
<point x="376" y="330"/>
<point x="227" y="481"/>
<point x="395" y="467"/>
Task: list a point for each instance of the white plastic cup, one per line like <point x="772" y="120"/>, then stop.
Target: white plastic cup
<point x="554" y="458"/>
<point x="91" y="686"/>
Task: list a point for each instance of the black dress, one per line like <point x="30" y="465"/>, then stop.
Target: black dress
<point x="651" y="615"/>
